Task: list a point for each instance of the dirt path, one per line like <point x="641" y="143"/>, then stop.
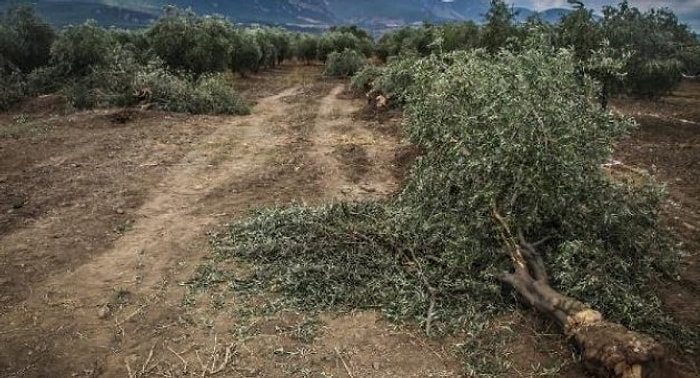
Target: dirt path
<point x="353" y="158"/>
<point x="139" y="265"/>
<point x="118" y="309"/>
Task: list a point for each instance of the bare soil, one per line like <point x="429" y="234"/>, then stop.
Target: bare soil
<point x="667" y="145"/>
<point x="104" y="215"/>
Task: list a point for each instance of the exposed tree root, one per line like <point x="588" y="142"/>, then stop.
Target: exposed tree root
<point x="607" y="349"/>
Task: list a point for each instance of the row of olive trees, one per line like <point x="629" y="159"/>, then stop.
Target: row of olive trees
<point x="657" y="46"/>
<point x="95" y="66"/>
<point x="201" y="45"/>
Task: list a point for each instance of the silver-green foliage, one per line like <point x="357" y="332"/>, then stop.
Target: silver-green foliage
<point x="25" y="39"/>
<point x="345" y="63"/>
<point x="213" y="94"/>
<point x="209" y="94"/>
<point x="363" y="80"/>
<point x="517" y="133"/>
<point x="523" y="135"/>
<point x="397" y="79"/>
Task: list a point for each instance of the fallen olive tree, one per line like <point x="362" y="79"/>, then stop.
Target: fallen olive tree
<point x="510" y="181"/>
<point x="525" y="140"/>
<point x="607" y="348"/>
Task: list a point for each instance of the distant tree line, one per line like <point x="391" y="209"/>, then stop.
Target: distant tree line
<point x="96" y="66"/>
<point x="174" y="57"/>
<point x="655" y="46"/>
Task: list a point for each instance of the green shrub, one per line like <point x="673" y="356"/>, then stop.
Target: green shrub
<point x="12" y="90"/>
<point x="137" y="42"/>
<point x="118" y="78"/>
<point x="25" y="39"/>
<point x="168" y="91"/>
<point x="690" y="57"/>
<point x="111" y="83"/>
<point x="210" y="94"/>
<point x="363" y="81"/>
<point x="79" y="49"/>
<point x="44" y="80"/>
<point x="213" y="94"/>
<point x="342" y="64"/>
<point x="108" y="84"/>
<point x="396" y="79"/>
<point x="246" y="54"/>
<point x="80" y="93"/>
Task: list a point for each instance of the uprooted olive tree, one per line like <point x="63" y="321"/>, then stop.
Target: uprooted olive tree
<point x="508" y="193"/>
<point x="514" y="152"/>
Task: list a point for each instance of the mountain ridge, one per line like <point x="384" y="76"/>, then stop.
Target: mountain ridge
<point x="314" y="14"/>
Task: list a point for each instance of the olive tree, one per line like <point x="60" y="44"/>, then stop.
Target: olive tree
<point x="580" y="31"/>
<point x="499" y="26"/>
<point x="269" y="51"/>
<point x="508" y="192"/>
<point x="246" y="53"/>
<point x="460" y="36"/>
<point x="656" y="41"/>
<point x="513" y="151"/>
<point x="78" y="49"/>
<point x="25" y="39"/>
<point x="345" y="63"/>
<point x="185" y="41"/>
<point x="282" y="40"/>
<point x="336" y="42"/>
<point x="306" y="48"/>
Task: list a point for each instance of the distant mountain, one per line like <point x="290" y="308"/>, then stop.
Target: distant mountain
<point x="551" y="16"/>
<point x="61" y="13"/>
<point x="319" y="14"/>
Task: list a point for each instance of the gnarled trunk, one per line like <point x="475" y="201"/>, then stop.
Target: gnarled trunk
<point x="607" y="349"/>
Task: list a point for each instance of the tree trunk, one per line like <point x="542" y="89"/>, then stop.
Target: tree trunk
<point x="607" y="349"/>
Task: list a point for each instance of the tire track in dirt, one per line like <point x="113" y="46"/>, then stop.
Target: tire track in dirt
<point x="167" y="217"/>
<point x="120" y="313"/>
<point x="140" y="263"/>
<point x="354" y="159"/>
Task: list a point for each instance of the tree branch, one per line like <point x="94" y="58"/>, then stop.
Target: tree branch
<point x="607" y="349"/>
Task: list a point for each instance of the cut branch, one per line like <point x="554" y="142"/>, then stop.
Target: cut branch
<point x="607" y="349"/>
